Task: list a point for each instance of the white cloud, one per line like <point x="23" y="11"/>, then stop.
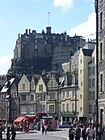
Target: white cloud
<point x="86" y="29"/>
<point x="5" y="63"/>
<point x="64" y="4"/>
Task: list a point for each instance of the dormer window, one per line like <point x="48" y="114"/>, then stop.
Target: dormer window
<point x="23" y="86"/>
<point x="40" y="87"/>
<point x="52" y="83"/>
<point x="81" y="61"/>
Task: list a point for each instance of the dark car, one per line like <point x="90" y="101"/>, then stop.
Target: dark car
<point x="64" y="125"/>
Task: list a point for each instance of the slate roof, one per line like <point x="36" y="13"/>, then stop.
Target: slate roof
<point x="87" y="52"/>
<point x="45" y="79"/>
<point x="5" y="87"/>
<point x="90" y="62"/>
<point x="29" y="77"/>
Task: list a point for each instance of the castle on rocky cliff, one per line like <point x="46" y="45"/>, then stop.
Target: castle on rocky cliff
<point x="36" y="52"/>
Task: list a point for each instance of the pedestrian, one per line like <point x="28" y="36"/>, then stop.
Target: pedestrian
<point x="71" y="133"/>
<point x="43" y="129"/>
<point x="1" y="130"/>
<point x="20" y="127"/>
<point x="13" y="133"/>
<point x="78" y="133"/>
<point x="0" y="134"/>
<point x="89" y="132"/>
<point x="8" y="133"/>
<point x="99" y="133"/>
<point x="93" y="133"/>
<point x="84" y="134"/>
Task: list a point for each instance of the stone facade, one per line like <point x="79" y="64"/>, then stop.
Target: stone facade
<point x="92" y="87"/>
<point x="64" y="94"/>
<point x="85" y="56"/>
<point x="101" y="61"/>
<point x="41" y="95"/>
<point x="26" y="95"/>
<point x="9" y="107"/>
<point x="53" y="94"/>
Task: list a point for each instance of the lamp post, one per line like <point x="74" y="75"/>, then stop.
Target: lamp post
<point x="6" y="111"/>
<point x="38" y="104"/>
<point x="97" y="82"/>
<point x="75" y="103"/>
<point x="8" y="118"/>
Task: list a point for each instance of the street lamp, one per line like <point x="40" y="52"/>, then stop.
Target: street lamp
<point x="75" y="103"/>
<point x="7" y="109"/>
<point x="38" y="103"/>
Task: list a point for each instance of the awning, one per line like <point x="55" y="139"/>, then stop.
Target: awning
<point x="47" y="117"/>
<point x="69" y="114"/>
<point x="19" y="119"/>
<point x="31" y="116"/>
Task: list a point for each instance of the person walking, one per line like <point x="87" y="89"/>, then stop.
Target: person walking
<point x="1" y="130"/>
<point x="0" y="134"/>
<point x="20" y="127"/>
<point x="93" y="133"/>
<point x="8" y="133"/>
<point x="99" y="133"/>
<point x="71" y="133"/>
<point x="78" y="133"/>
<point x="43" y="129"/>
<point x="89" y="132"/>
<point x="84" y="134"/>
<point x="13" y="132"/>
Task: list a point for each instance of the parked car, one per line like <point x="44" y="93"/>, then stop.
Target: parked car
<point x="64" y="125"/>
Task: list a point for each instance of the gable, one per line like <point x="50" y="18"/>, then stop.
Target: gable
<point x="24" y="84"/>
<point x="41" y="86"/>
<point x="53" y="82"/>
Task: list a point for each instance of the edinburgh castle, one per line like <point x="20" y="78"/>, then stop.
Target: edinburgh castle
<point x="36" y="52"/>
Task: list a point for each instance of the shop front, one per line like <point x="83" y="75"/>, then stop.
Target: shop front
<point x="67" y="117"/>
<point x="22" y="123"/>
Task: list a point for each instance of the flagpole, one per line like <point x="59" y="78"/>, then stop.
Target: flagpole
<point x="48" y="19"/>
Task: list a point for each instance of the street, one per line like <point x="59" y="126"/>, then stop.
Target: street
<point x="61" y="134"/>
<point x="37" y="135"/>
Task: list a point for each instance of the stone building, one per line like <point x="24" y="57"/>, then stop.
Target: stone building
<point x="9" y="101"/>
<point x="101" y="61"/>
<point x="83" y="62"/>
<point x="41" y="94"/>
<point x="92" y="87"/>
<point x="85" y="56"/>
<point x="69" y="102"/>
<point x="26" y="93"/>
<point x="53" y="100"/>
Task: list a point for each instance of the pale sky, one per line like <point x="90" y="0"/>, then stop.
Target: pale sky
<point x="73" y="16"/>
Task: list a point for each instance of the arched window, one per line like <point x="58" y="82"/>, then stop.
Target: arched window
<point x="73" y="107"/>
<point x="67" y="107"/>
